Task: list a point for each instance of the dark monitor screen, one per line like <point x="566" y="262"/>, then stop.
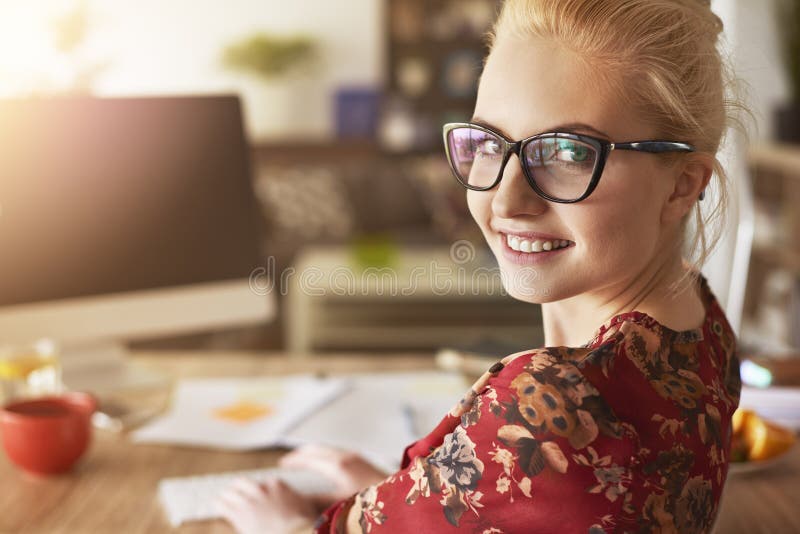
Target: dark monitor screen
<point x="108" y="195"/>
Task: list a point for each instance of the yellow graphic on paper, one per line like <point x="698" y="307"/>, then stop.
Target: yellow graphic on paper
<point x="243" y="412"/>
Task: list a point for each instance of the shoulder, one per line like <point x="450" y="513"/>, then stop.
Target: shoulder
<point x="627" y="334"/>
<point x="638" y="337"/>
<point x="633" y="363"/>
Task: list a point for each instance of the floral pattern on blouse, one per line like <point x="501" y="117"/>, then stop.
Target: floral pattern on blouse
<point x="628" y="433"/>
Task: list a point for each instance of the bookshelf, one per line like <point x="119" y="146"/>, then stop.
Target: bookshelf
<point x="435" y="52"/>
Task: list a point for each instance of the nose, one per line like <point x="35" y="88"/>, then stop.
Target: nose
<point x="514" y="196"/>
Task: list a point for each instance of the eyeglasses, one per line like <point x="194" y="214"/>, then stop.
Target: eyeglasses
<point x="560" y="167"/>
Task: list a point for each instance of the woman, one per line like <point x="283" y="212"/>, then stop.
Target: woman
<point x="622" y="423"/>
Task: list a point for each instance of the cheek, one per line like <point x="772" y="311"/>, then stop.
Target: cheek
<point x="623" y="224"/>
<point x="479" y="204"/>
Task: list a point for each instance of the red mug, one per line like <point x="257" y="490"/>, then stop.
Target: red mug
<point x="47" y="435"/>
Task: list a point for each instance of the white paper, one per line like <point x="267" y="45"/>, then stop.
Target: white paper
<point x="196" y="416"/>
<point x="376" y="415"/>
<point x="382" y="413"/>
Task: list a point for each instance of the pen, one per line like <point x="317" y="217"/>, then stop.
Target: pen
<point x="408" y="416"/>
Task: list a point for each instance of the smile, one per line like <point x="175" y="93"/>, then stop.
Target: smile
<point x="531" y="246"/>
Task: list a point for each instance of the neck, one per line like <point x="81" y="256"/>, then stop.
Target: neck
<point x="572" y="322"/>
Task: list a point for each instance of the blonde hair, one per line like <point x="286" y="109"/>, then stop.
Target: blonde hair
<point x="662" y="57"/>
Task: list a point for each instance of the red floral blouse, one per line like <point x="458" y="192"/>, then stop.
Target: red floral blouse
<point x="628" y="433"/>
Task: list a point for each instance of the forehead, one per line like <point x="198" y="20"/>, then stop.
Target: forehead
<point x="531" y="85"/>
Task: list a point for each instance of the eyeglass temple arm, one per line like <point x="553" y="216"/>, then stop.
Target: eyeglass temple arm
<point x="657" y="147"/>
<point x="654" y="147"/>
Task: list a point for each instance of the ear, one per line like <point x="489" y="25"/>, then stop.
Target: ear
<point x="690" y="181"/>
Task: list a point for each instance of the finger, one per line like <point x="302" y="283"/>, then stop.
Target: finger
<point x="298" y="459"/>
<point x="279" y="485"/>
<point x="233" y="494"/>
<point x="326" y="467"/>
<point x="313" y="450"/>
<point x="245" y="490"/>
<point x="302" y="458"/>
<point x="233" y="499"/>
<point x="278" y="488"/>
<point x="225" y="507"/>
<point x="319" y="448"/>
<point x="253" y="490"/>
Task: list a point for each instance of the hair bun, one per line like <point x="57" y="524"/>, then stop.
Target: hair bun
<point x="716" y="22"/>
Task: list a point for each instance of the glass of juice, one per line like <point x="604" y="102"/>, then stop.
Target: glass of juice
<point x="29" y="370"/>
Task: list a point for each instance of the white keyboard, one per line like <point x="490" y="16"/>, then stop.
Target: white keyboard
<point x="193" y="498"/>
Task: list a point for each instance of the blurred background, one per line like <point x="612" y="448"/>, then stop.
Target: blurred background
<point x="341" y="106"/>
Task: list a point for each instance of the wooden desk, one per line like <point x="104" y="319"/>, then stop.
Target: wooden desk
<point x="113" y="490"/>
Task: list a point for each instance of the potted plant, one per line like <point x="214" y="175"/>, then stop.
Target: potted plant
<point x="269" y="56"/>
<point x="788" y="116"/>
<point x="276" y="66"/>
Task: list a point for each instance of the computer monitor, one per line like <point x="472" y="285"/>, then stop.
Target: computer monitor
<point x="125" y="218"/>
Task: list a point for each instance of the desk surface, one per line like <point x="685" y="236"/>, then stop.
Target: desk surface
<point x="113" y="489"/>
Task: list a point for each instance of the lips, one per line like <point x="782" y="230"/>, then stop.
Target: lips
<point x="531" y="236"/>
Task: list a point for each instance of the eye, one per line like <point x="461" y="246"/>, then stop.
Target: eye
<point x="489" y="147"/>
<point x="572" y="152"/>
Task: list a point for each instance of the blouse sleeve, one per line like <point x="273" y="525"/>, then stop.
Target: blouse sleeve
<point x="628" y="436"/>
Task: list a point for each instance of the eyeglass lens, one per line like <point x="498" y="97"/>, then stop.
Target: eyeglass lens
<point x="561" y="168"/>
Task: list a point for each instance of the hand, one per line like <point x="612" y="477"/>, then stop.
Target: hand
<point x="347" y="470"/>
<point x="268" y="507"/>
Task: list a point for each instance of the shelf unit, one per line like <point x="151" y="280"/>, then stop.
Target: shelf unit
<point x="333" y="304"/>
<point x="776" y="248"/>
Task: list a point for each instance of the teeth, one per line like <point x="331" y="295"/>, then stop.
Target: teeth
<point x="524" y="245"/>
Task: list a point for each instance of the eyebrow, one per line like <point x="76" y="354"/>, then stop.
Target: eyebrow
<point x="568" y="127"/>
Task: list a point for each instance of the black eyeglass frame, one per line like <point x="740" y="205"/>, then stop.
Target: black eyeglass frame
<point x="602" y="146"/>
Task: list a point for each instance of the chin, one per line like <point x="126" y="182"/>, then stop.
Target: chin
<point x="537" y="286"/>
<point x="532" y="291"/>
